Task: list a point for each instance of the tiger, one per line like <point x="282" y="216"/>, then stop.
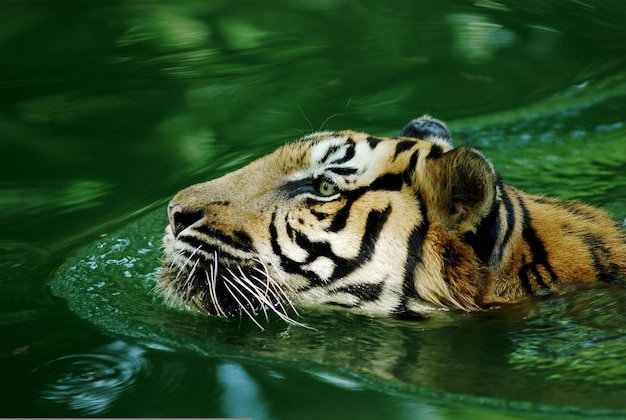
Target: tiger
<point x="401" y="226"/>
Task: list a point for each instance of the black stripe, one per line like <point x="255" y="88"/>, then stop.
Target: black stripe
<point x="595" y="246"/>
<point x="341" y="217"/>
<point x="197" y="256"/>
<point x="373" y="141"/>
<point x="570" y="206"/>
<point x="329" y="152"/>
<point x="435" y="152"/>
<point x="341" y="305"/>
<point x="343" y="171"/>
<point x="388" y="182"/>
<point x="410" y="170"/>
<point x="240" y="240"/>
<point x="488" y="232"/>
<point x="539" y="256"/>
<point x="205" y="256"/>
<point x="315" y="249"/>
<point x="289" y="230"/>
<point x="601" y="255"/>
<point x="319" y="215"/>
<point x="510" y="220"/>
<point x="343" y="266"/>
<point x="403" y="146"/>
<point x="524" y="279"/>
<point x="373" y="226"/>
<point x="287" y="264"/>
<point x="194" y="242"/>
<point x="242" y="237"/>
<point x="413" y="259"/>
<point x="350" y="150"/>
<point x="365" y="292"/>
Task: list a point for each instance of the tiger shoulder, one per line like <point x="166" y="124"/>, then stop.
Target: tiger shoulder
<point x="401" y="225"/>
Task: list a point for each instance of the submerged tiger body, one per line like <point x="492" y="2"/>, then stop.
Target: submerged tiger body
<point x="401" y="226"/>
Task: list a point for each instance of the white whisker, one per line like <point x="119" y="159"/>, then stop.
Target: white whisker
<point x="246" y="283"/>
<point x="213" y="272"/>
<point x="251" y="287"/>
<point x="275" y="285"/>
<point x="192" y="271"/>
<point x="328" y="119"/>
<point x="213" y="294"/>
<point x="283" y="313"/>
<point x="269" y="290"/>
<point x="243" y="308"/>
<point x="188" y="281"/>
<point x="187" y="261"/>
<point x="278" y="287"/>
<point x="264" y="296"/>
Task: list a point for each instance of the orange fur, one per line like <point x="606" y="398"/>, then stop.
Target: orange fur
<point x="402" y="225"/>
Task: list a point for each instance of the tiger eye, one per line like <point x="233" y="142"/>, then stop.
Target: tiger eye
<point x="326" y="188"/>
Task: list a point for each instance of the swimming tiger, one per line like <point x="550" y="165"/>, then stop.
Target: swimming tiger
<point x="401" y="226"/>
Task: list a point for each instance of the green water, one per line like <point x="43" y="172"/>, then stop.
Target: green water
<point x="108" y="108"/>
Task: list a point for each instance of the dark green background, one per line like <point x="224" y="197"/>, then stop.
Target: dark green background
<point x="109" y="107"/>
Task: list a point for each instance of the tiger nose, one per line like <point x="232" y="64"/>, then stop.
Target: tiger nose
<point x="181" y="218"/>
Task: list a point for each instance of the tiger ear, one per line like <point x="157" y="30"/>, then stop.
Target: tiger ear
<point x="429" y="129"/>
<point x="463" y="188"/>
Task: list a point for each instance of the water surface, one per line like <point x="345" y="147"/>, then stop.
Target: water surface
<point x="108" y="108"/>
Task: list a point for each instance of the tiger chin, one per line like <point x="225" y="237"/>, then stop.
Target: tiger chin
<point x="400" y="226"/>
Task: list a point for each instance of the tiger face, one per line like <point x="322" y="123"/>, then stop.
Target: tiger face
<point x="402" y="226"/>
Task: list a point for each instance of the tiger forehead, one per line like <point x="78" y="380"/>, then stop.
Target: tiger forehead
<point x="348" y="152"/>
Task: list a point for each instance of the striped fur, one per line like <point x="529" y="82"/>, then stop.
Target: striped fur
<point x="399" y="226"/>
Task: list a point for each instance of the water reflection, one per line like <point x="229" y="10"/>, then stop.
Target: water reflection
<point x="570" y="339"/>
<point x="241" y="394"/>
<point x="166" y="26"/>
<point x="90" y="383"/>
<point x="477" y="40"/>
<point x="59" y="197"/>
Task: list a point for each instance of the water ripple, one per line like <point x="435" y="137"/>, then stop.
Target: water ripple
<point x="91" y="382"/>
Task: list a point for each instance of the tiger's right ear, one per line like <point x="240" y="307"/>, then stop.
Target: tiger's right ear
<point x="463" y="188"/>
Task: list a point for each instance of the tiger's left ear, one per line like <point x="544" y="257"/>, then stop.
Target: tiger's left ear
<point x="464" y="185"/>
<point x="429" y="129"/>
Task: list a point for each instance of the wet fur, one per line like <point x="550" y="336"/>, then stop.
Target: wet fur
<point x="415" y="225"/>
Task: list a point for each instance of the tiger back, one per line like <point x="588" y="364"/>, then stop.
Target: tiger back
<point x="399" y="226"/>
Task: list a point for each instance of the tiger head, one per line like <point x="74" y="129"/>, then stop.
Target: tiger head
<point x="335" y="218"/>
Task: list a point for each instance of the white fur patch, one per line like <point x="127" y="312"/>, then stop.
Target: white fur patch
<point x="322" y="266"/>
